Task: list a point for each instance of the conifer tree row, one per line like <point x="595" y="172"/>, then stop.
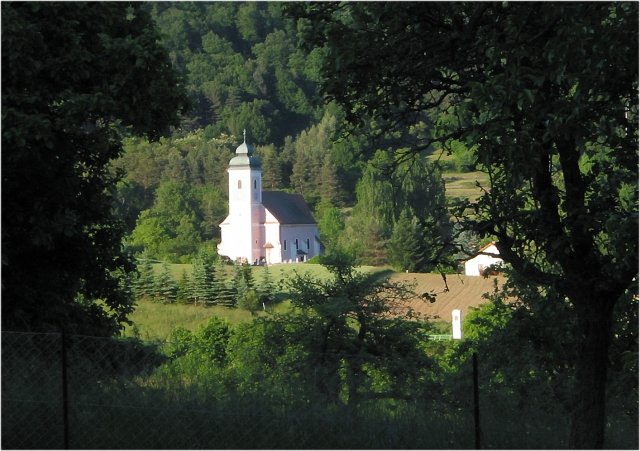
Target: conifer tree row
<point x="206" y="284"/>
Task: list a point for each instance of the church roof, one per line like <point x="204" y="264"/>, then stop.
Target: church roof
<point x="287" y="208"/>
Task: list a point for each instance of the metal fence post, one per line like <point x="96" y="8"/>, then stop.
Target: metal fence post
<point x="476" y="401"/>
<point x="65" y="392"/>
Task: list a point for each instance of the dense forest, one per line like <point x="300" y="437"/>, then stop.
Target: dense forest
<point x="118" y="123"/>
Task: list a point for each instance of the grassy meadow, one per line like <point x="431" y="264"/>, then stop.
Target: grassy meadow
<point x="464" y="184"/>
<point x="154" y="321"/>
<point x="459" y="184"/>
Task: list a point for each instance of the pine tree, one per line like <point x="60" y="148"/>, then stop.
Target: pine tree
<point x="184" y="288"/>
<point x="227" y="290"/>
<point x="272" y="172"/>
<point x="265" y="288"/>
<point x="247" y="275"/>
<point x="329" y="185"/>
<point x="239" y="282"/>
<point x="250" y="301"/>
<point x="403" y="246"/>
<point x="204" y="281"/>
<point x="144" y="285"/>
<point x="166" y="288"/>
<point x="220" y="283"/>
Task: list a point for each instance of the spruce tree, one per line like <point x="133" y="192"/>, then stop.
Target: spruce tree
<point x="403" y="246"/>
<point x="166" y="288"/>
<point x="219" y="283"/>
<point x="247" y="276"/>
<point x="204" y="281"/>
<point x="227" y="294"/>
<point x="209" y="294"/>
<point x="184" y="288"/>
<point x="329" y="184"/>
<point x="250" y="301"/>
<point x="144" y="285"/>
<point x="266" y="288"/>
<point x="239" y="283"/>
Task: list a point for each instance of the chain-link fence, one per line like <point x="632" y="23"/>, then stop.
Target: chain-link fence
<point x="54" y="386"/>
<point x="79" y="392"/>
<point x="64" y="391"/>
<point x="32" y="391"/>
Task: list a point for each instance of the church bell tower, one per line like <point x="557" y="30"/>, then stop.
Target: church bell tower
<point x="241" y="232"/>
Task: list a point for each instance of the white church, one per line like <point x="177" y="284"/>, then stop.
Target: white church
<point x="264" y="227"/>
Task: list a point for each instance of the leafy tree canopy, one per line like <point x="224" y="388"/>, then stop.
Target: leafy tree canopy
<point x="546" y="96"/>
<point x="242" y="66"/>
<point x="75" y="77"/>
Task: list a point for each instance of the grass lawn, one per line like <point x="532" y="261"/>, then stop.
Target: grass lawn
<point x="464" y="184"/>
<point x="460" y="184"/>
<point x="155" y="321"/>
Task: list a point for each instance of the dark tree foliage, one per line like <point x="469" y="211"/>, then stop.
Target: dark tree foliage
<point x="242" y="66"/>
<point x="347" y="339"/>
<point x="74" y="77"/>
<point x="390" y="187"/>
<point x="547" y="97"/>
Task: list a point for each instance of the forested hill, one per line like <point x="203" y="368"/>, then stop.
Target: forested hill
<point x="243" y="68"/>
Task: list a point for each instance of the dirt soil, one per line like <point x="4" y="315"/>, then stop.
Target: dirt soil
<point x="463" y="292"/>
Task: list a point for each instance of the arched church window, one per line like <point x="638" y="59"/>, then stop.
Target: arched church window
<point x="255" y="184"/>
<point x="239" y="184"/>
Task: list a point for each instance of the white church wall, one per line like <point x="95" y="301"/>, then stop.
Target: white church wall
<point x="272" y="236"/>
<point x="257" y="233"/>
<point x="294" y="238"/>
<point x="232" y="243"/>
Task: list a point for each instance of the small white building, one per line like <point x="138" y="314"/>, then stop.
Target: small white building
<point x="264" y="226"/>
<point x="485" y="258"/>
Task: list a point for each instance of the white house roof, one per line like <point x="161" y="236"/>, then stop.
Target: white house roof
<point x="489" y="249"/>
<point x="287" y="208"/>
<point x="487" y="246"/>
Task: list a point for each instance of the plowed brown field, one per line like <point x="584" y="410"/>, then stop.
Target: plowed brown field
<point x="464" y="292"/>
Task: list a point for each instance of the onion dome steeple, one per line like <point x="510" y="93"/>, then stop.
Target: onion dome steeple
<point x="244" y="155"/>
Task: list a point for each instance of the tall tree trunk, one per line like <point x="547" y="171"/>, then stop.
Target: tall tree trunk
<point x="588" y="417"/>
